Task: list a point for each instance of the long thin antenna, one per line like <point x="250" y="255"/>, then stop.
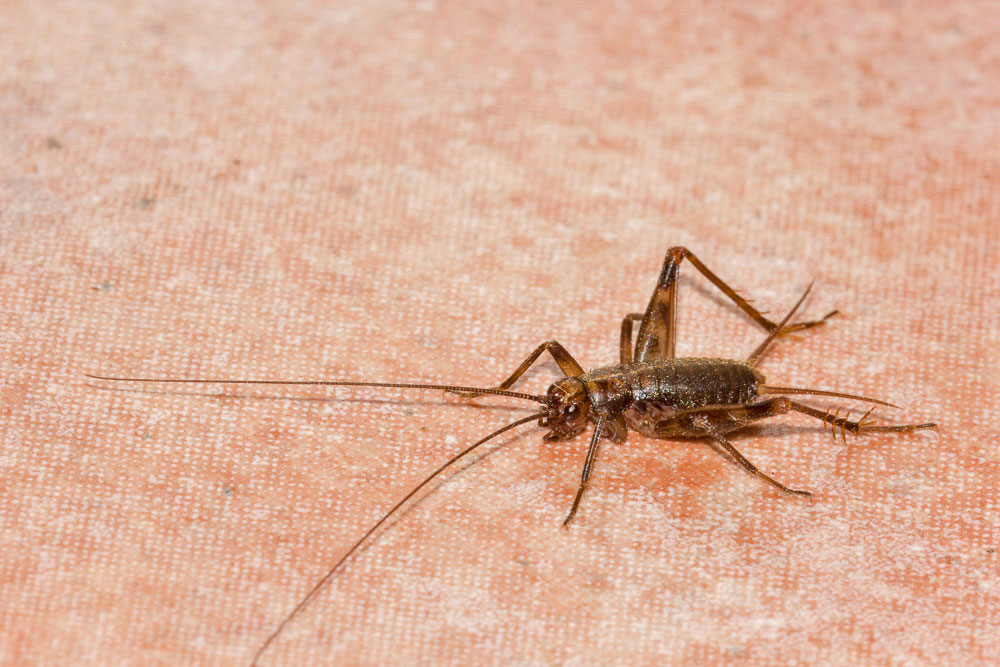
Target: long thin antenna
<point x="767" y="389"/>
<point x="326" y="577"/>
<point x="330" y="383"/>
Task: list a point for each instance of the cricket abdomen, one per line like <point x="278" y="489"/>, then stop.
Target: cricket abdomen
<point x="680" y="384"/>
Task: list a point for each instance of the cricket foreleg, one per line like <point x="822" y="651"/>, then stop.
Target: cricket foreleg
<point x="588" y="466"/>
<point x="566" y="362"/>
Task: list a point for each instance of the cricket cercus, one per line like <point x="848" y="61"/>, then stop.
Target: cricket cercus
<point x="650" y="391"/>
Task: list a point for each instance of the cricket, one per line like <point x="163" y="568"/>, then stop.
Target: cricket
<point x="650" y="391"/>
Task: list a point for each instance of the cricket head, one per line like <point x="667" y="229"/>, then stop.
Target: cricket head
<point x="568" y="406"/>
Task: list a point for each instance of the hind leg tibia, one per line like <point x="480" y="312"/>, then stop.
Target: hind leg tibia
<point x="845" y="425"/>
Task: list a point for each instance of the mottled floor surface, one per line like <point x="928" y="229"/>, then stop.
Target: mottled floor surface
<point x="425" y="191"/>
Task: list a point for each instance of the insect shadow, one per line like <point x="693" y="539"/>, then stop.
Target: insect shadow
<point x="650" y="391"/>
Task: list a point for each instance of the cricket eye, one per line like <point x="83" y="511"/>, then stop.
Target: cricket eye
<point x="569" y="410"/>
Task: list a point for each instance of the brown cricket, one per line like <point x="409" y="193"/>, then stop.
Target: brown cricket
<point x="650" y="391"/>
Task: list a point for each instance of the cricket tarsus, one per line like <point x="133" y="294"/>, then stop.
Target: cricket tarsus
<point x="326" y="577"/>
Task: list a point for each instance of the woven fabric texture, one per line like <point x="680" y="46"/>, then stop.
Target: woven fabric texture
<point x="425" y="191"/>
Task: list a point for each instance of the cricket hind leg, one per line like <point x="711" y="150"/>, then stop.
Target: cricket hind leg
<point x="714" y="421"/>
<point x="656" y="338"/>
<point x="845" y="424"/>
<point x="567" y="364"/>
<point x="626" y="338"/>
<point x="724" y="418"/>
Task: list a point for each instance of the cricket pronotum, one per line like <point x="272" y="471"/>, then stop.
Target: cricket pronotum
<point x="650" y="391"/>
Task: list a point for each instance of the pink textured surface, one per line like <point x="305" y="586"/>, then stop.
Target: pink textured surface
<point x="425" y="191"/>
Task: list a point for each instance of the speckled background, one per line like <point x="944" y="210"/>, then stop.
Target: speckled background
<point x="426" y="191"/>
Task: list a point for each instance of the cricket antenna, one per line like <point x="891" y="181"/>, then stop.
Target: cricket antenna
<point x="331" y="383"/>
<point x="326" y="577"/>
